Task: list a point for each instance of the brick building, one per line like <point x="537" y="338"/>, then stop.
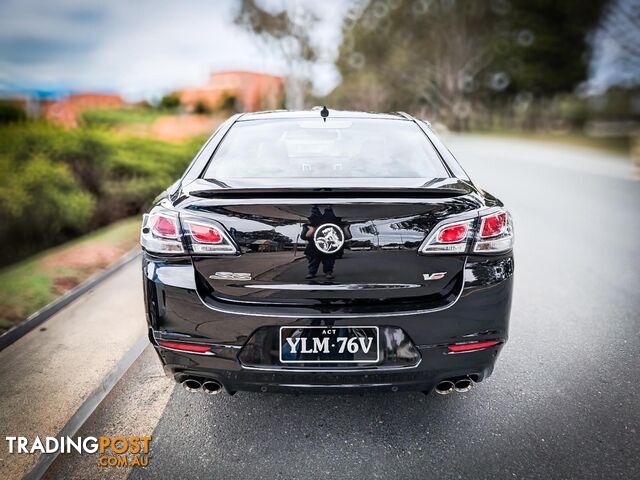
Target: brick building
<point x="249" y="91"/>
<point x="67" y="110"/>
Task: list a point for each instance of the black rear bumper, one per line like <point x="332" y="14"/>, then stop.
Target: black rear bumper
<point x="177" y="313"/>
<point x="424" y="377"/>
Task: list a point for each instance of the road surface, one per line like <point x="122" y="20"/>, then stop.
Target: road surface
<point x="563" y="401"/>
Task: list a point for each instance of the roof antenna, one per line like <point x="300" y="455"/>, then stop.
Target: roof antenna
<point x="324" y="113"/>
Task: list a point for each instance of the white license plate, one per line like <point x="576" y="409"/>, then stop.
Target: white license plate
<point x="329" y="344"/>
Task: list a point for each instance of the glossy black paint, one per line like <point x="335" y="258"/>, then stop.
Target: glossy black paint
<point x="378" y="280"/>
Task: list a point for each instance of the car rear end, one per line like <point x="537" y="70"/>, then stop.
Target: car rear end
<point x="392" y="276"/>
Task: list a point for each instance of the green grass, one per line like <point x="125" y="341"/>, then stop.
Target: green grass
<point x="31" y="284"/>
<point x="121" y="116"/>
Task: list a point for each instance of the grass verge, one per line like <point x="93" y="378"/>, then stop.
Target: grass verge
<point x="33" y="283"/>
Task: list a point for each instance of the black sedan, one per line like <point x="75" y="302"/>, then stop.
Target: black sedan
<point x="327" y="251"/>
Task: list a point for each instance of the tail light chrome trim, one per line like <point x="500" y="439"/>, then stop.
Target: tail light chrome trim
<point x="220" y="243"/>
<point x="480" y="235"/>
<point x="164" y="231"/>
<point x="157" y="240"/>
<point x="492" y="241"/>
<point x="436" y="242"/>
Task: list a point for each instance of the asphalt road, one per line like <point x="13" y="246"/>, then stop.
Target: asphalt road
<point x="562" y="403"/>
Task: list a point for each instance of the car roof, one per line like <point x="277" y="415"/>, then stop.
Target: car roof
<point x="315" y="112"/>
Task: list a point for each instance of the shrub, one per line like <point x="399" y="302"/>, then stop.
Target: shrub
<point x="170" y="102"/>
<point x="201" y="108"/>
<point x="229" y="102"/>
<point x="120" y="116"/>
<point x="40" y="203"/>
<point x="10" y="112"/>
<point x="56" y="184"/>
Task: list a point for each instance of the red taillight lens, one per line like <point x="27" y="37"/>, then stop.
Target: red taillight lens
<point x="449" y="238"/>
<point x="165" y="227"/>
<point x="493" y="225"/>
<point x="467" y="347"/>
<point x="187" y="347"/>
<point x="453" y="233"/>
<point x="205" y="233"/>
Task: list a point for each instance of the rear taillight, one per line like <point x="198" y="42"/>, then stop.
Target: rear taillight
<point x="496" y="233"/>
<point x="493" y="233"/>
<point x="205" y="233"/>
<point x="164" y="232"/>
<point x="493" y="225"/>
<point x="165" y="227"/>
<point x="207" y="236"/>
<point x="161" y="232"/>
<point x="453" y="234"/>
<point x="449" y="238"/>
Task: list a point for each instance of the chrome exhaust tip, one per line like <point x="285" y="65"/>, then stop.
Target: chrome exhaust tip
<point x="191" y="385"/>
<point x="212" y="387"/>
<point x="445" y="387"/>
<point x="463" y="385"/>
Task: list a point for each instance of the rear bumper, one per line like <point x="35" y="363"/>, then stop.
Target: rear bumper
<point x="175" y="312"/>
<point x="433" y="368"/>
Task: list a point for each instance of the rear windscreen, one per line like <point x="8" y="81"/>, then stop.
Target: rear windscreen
<point x="337" y="148"/>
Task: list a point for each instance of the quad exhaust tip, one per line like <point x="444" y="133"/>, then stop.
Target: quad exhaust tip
<point x="463" y="385"/>
<point x="460" y="385"/>
<point x="191" y="385"/>
<point x="445" y="387"/>
<point x="212" y="387"/>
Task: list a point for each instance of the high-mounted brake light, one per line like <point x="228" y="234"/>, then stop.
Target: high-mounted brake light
<point x="185" y="347"/>
<point x="468" y="347"/>
<point x="160" y="232"/>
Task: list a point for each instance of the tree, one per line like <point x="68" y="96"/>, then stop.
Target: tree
<point x="617" y="53"/>
<point x="551" y="44"/>
<point x="201" y="108"/>
<point x="286" y="31"/>
<point x="448" y="58"/>
<point x="10" y="112"/>
<point x="229" y="102"/>
<point x="170" y="102"/>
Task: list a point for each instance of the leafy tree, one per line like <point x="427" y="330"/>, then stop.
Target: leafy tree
<point x="229" y="102"/>
<point x="550" y="44"/>
<point x="11" y="113"/>
<point x="618" y="44"/>
<point x="170" y="102"/>
<point x="286" y="31"/>
<point x="201" y="108"/>
<point x="449" y="58"/>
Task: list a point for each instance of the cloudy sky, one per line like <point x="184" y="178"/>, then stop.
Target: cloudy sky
<point x="145" y="48"/>
<point x="140" y="48"/>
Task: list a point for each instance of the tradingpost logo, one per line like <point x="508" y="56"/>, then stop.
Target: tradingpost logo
<point x="118" y="451"/>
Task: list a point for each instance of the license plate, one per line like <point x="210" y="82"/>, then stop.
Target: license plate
<point x="329" y="344"/>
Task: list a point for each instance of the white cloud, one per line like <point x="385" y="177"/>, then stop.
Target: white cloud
<point x="140" y="48"/>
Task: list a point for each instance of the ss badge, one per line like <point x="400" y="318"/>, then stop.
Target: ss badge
<point x="433" y="276"/>
<point x="230" y="276"/>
